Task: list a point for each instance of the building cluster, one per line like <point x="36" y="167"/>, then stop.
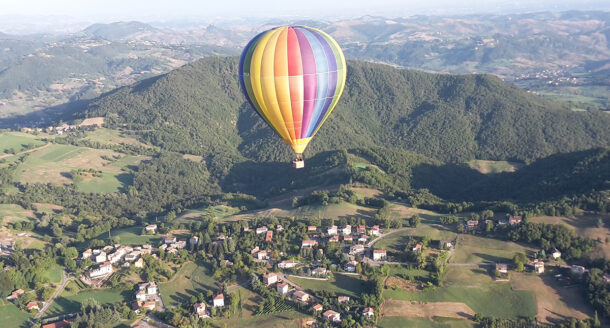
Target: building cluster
<point x="105" y="258"/>
<point x="473" y="225"/>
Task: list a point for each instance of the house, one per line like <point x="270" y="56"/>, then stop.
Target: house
<point x="363" y="239"/>
<point x="300" y="296"/>
<point x="15" y="294"/>
<point x="502" y="267"/>
<point x="194" y="240"/>
<point x="375" y="230"/>
<point x="343" y="299"/>
<point x="556" y="254"/>
<point x="317" y="308"/>
<point x="270" y="278"/>
<point x="268" y="236"/>
<point x="246" y="229"/>
<point x="311" y="228"/>
<point x="87" y="254"/>
<point x="150" y="305"/>
<point x="308" y="243"/>
<point x="254" y="250"/>
<point x="58" y="324"/>
<point x="282" y="288"/>
<point x="361" y="229"/>
<point x="332" y="316"/>
<point x="262" y="255"/>
<point x="539" y="267"/>
<point x="219" y="300"/>
<point x="200" y="310"/>
<point x="472" y="225"/>
<point x="32" y="306"/>
<point x="356" y="249"/>
<point x="151" y="229"/>
<point x="179" y="244"/>
<point x="578" y="270"/>
<point x="516" y="219"/>
<point x="347" y="230"/>
<point x="103" y="270"/>
<point x="368" y="312"/>
<point x="260" y="230"/>
<point x="133" y="256"/>
<point x="333" y="239"/>
<point x="101" y="257"/>
<point x="319" y="271"/>
<point x="351" y="266"/>
<point x="117" y="256"/>
<point x="226" y="263"/>
<point x="139" y="263"/>
<point x="417" y="248"/>
<point x="169" y="240"/>
<point x="445" y="244"/>
<point x="126" y="265"/>
<point x="332" y="230"/>
<point x="279" y="228"/>
<point x="348" y="238"/>
<point x="380" y="255"/>
<point x="287" y="264"/>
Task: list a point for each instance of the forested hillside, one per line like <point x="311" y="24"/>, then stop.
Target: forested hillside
<point x="199" y="109"/>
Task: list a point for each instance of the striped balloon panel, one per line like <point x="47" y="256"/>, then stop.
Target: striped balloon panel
<point x="293" y="78"/>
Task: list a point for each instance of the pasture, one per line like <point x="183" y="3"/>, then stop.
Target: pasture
<point x="12" y="316"/>
<point x="70" y="301"/>
<point x="17" y="141"/>
<point x="13" y="213"/>
<point x="287" y="319"/>
<point x="190" y="280"/>
<point x="437" y="322"/>
<point x="341" y="284"/>
<point x="475" y="249"/>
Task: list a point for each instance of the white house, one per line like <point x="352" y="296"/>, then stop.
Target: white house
<point x="356" y="249"/>
<point x="270" y="278"/>
<point x="332" y="316"/>
<point x="169" y="240"/>
<point x="219" y="300"/>
<point x="139" y="263"/>
<point x="87" y="254"/>
<point x="200" y="310"/>
<point x="194" y="240"/>
<point x="375" y="230"/>
<point x="102" y="270"/>
<point x="368" y="312"/>
<point x="282" y="288"/>
<point x="347" y="230"/>
<point x="260" y="230"/>
<point x="262" y="255"/>
<point x="379" y="255"/>
<point x="151" y="229"/>
<point x="287" y="264"/>
<point x="351" y="266"/>
<point x="101" y="257"/>
<point x="332" y="230"/>
<point x="308" y="243"/>
<point x="556" y="254"/>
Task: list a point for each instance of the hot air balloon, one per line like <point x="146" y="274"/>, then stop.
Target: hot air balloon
<point x="293" y="77"/>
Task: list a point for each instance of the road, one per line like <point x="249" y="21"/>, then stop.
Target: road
<point x="26" y="151"/>
<point x="64" y="282"/>
<point x="383" y="235"/>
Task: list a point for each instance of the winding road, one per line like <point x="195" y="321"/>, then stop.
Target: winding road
<point x="64" y="281"/>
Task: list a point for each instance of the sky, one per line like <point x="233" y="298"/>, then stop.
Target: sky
<point x="29" y="14"/>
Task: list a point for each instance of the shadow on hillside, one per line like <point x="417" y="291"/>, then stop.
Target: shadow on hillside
<point x="451" y="181"/>
<point x="44" y="117"/>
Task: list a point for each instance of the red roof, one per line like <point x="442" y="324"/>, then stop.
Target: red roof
<point x="57" y="324"/>
<point x="219" y="297"/>
<point x="269" y="235"/>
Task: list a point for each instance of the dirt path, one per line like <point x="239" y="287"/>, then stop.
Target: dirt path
<point x="411" y="309"/>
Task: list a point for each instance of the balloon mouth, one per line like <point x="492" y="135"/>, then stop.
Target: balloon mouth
<point x="298" y="145"/>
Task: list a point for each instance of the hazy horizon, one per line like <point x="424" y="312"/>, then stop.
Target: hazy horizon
<point x="35" y="16"/>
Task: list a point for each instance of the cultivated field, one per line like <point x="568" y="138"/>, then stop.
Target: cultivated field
<point x="437" y="322"/>
<point x="399" y="308"/>
<point x="487" y="167"/>
<point x="17" y="141"/>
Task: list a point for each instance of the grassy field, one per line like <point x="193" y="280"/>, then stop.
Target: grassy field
<point x="219" y="211"/>
<point x="287" y="319"/>
<point x="53" y="165"/>
<point x="474" y="249"/>
<point x="111" y="137"/>
<point x="133" y="236"/>
<point x="70" y="301"/>
<point x="12" y="316"/>
<point x="475" y="287"/>
<point x="17" y="141"/>
<point x="15" y="213"/>
<point x="340" y="284"/>
<point x="54" y="273"/>
<point x="487" y="167"/>
<point x="398" y="322"/>
<point x="190" y="280"/>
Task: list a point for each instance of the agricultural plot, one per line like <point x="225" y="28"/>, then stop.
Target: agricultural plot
<point x="13" y="213"/>
<point x="288" y="319"/>
<point x="112" y="137"/>
<point x="219" y="211"/>
<point x="437" y="322"/>
<point x="340" y="284"/>
<point x="474" y="249"/>
<point x="17" y="141"/>
<point x="54" y="163"/>
<point x="190" y="280"/>
<point x="475" y="287"/>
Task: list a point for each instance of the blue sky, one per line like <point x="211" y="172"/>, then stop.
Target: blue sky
<point x="109" y="10"/>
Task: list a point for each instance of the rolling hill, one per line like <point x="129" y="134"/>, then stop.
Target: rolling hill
<point x="199" y="109"/>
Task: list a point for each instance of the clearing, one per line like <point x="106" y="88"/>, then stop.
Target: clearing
<point x="437" y="322"/>
<point x="190" y="280"/>
<point x="489" y="167"/>
<point x="399" y="308"/>
<point x="341" y="284"/>
<point x="132" y="236"/>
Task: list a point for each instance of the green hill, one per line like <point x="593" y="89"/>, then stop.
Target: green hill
<point x="199" y="109"/>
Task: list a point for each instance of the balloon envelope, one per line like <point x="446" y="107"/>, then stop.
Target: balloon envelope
<point x="293" y="77"/>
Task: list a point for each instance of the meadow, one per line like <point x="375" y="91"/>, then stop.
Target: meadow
<point x="12" y="316"/>
<point x="71" y="298"/>
<point x="17" y="141"/>
<point x="490" y="167"/>
<point x="341" y="284"/>
<point x="132" y="236"/>
<point x="398" y="322"/>
<point x="190" y="280"/>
